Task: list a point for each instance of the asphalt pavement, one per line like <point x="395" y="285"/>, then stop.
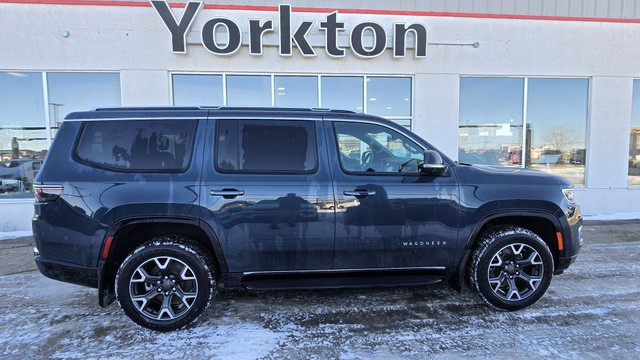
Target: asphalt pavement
<point x="592" y="311"/>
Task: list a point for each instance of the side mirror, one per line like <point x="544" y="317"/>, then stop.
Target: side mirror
<point x="432" y="164"/>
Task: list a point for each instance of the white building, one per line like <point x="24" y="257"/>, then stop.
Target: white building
<point x="542" y="84"/>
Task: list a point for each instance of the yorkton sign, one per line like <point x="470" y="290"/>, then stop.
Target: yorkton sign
<point x="257" y="28"/>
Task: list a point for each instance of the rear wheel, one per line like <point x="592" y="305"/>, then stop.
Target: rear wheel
<point x="165" y="284"/>
<point x="511" y="267"/>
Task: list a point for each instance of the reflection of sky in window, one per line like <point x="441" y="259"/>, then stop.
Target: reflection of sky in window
<point x="635" y="110"/>
<point x="22" y="105"/>
<point x="81" y="92"/>
<point x="197" y="90"/>
<point x="491" y="101"/>
<point x="248" y="90"/>
<point x="387" y="96"/>
<point x="558" y="103"/>
<point x="21" y="100"/>
<point x="341" y="92"/>
<point x="296" y="91"/>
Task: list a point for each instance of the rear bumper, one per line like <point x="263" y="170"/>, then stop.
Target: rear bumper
<point x="66" y="272"/>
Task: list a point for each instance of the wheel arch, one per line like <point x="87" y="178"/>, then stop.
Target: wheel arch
<point x="544" y="224"/>
<point x="144" y="229"/>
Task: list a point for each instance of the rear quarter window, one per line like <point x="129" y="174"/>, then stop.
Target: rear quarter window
<point x="144" y="145"/>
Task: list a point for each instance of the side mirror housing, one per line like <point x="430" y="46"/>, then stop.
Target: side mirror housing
<point x="432" y="164"/>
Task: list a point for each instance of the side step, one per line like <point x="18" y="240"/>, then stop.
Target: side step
<point x="340" y="279"/>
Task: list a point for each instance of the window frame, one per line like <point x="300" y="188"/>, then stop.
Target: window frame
<point x="76" y="157"/>
<point x="365" y="173"/>
<point x="313" y="136"/>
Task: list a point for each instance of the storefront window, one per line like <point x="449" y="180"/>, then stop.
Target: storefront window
<point x="23" y="137"/>
<point x="343" y="92"/>
<point x="296" y="91"/>
<point x="23" y="126"/>
<point x="634" y="141"/>
<point x="556" y="127"/>
<point x="387" y="96"/>
<point x="493" y="112"/>
<point x="69" y="92"/>
<point x="197" y="90"/>
<point x="390" y="97"/>
<point x="248" y="90"/>
<point x="490" y="130"/>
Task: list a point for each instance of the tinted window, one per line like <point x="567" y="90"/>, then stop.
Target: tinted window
<point x="138" y="145"/>
<point x="189" y="89"/>
<point x="266" y="146"/>
<point x="296" y="91"/>
<point x="374" y="148"/>
<point x="249" y="90"/>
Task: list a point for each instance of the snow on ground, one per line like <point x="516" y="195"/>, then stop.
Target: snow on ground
<point x="5" y="235"/>
<point x="621" y="216"/>
<point x="592" y="311"/>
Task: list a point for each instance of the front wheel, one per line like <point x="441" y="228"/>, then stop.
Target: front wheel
<point x="511" y="268"/>
<point x="165" y="284"/>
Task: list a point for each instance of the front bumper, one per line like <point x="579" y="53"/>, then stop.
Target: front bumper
<point x="66" y="272"/>
<point x="572" y="242"/>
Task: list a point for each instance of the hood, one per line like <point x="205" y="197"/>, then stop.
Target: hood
<point x="507" y="175"/>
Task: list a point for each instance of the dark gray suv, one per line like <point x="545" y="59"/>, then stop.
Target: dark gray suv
<point x="160" y="207"/>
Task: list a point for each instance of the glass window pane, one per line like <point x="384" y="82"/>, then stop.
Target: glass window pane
<point x="556" y="126"/>
<point x="372" y="148"/>
<point x="389" y="96"/>
<point x="296" y="91"/>
<point x="140" y="145"/>
<point x="23" y="139"/>
<point x="490" y="130"/>
<point x="197" y="90"/>
<point x="266" y="146"/>
<point x="69" y="92"/>
<point x="248" y="90"/>
<point x="634" y="143"/>
<point x="343" y="92"/>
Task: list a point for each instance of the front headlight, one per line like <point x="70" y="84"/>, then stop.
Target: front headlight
<point x="568" y="194"/>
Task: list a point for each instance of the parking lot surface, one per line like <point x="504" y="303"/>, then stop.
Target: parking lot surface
<point x="591" y="311"/>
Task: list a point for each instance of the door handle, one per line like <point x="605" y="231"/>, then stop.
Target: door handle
<point x="227" y="193"/>
<point x="359" y="193"/>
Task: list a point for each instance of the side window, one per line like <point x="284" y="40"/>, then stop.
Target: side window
<point x="145" y="145"/>
<point x="374" y="148"/>
<point x="266" y="146"/>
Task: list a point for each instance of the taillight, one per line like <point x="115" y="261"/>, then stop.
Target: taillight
<point x="46" y="193"/>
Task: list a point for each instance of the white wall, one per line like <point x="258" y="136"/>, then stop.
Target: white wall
<point x="16" y="216"/>
<point x="134" y="41"/>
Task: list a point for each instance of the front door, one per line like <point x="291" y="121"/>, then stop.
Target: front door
<point x="387" y="214"/>
<point x="267" y="194"/>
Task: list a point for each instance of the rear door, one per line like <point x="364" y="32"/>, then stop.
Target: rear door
<point x="267" y="193"/>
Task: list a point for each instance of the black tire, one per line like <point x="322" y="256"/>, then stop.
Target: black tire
<point x="166" y="283"/>
<point x="511" y="268"/>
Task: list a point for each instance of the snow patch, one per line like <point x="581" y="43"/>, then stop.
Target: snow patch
<point x="620" y="216"/>
<point x="5" y="235"/>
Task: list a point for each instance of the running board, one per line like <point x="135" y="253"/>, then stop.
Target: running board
<point x="336" y="279"/>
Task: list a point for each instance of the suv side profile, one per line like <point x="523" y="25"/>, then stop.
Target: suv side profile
<point x="160" y="207"/>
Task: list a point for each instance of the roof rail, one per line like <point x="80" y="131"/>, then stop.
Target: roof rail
<point x="188" y="108"/>
<point x="133" y="108"/>
<point x="271" y="108"/>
